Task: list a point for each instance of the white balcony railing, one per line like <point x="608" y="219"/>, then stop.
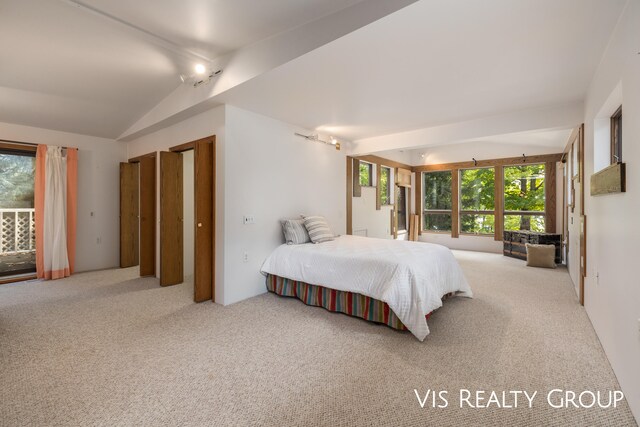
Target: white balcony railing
<point x="18" y="234"/>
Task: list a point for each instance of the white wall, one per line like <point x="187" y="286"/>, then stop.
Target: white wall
<point x="272" y="174"/>
<point x="98" y="191"/>
<point x="263" y="170"/>
<point x="612" y="301"/>
<point x="188" y="210"/>
<point x="366" y="217"/>
<point x="208" y="123"/>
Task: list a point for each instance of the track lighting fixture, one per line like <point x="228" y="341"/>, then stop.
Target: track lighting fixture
<point x="314" y="137"/>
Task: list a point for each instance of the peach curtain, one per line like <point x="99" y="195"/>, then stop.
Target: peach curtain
<point x="56" y="211"/>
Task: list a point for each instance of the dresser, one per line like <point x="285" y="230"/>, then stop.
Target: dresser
<point x="514" y="243"/>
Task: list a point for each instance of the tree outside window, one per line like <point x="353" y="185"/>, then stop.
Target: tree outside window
<point x="477" y="201"/>
<point x="365" y="174"/>
<point x="524" y="198"/>
<point x="437" y="201"/>
<point x="385" y="185"/>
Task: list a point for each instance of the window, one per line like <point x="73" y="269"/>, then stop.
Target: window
<point x="366" y="174"/>
<point x="385" y="185"/>
<point x="17" y="231"/>
<point x="401" y="195"/>
<point x="437" y="201"/>
<point x="524" y="198"/>
<point x="477" y="205"/>
<point x="616" y="136"/>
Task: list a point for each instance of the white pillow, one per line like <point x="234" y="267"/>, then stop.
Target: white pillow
<point x="295" y="232"/>
<point x="318" y="229"/>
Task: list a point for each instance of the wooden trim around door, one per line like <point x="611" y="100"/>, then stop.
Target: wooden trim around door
<point x="550" y="197"/>
<point x="129" y="214"/>
<point x="171" y="219"/>
<point x="204" y="234"/>
<point x="350" y="195"/>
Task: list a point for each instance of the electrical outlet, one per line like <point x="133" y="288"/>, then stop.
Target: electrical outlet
<point x="248" y="219"/>
<point x="245" y="257"/>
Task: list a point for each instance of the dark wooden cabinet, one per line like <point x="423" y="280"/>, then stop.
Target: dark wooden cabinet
<point x="515" y="241"/>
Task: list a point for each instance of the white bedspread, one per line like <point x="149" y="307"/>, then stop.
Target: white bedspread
<point x="411" y="277"/>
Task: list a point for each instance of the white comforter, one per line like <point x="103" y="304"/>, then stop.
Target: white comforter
<point x="411" y="277"/>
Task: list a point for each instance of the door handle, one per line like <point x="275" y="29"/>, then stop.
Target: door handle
<point x="199" y="224"/>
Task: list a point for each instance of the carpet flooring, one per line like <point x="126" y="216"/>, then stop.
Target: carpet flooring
<point x="107" y="348"/>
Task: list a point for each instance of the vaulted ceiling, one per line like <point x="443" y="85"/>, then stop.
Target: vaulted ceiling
<point x="437" y="62"/>
<point x="98" y="67"/>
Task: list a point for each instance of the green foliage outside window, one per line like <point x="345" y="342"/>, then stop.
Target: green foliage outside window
<point x="365" y="174"/>
<point x="477" y="194"/>
<point x="17" y="178"/>
<point x="524" y="192"/>
<point x="385" y="178"/>
<point x="437" y="196"/>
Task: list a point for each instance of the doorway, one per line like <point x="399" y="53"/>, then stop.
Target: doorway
<point x="187" y="218"/>
<point x="574" y="217"/>
<point x="138" y="214"/>
<point x="17" y="221"/>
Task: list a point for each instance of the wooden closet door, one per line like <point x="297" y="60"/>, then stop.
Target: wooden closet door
<point x="203" y="275"/>
<point x="171" y="217"/>
<point x="148" y="216"/>
<point x="129" y="214"/>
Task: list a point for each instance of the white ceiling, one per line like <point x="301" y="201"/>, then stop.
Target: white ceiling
<point x="434" y="62"/>
<point x="65" y="68"/>
<point x="439" y="61"/>
<point x="555" y="138"/>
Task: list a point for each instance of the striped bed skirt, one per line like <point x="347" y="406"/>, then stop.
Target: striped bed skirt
<point x="349" y="303"/>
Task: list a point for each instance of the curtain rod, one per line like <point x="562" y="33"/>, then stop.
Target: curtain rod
<point x="25" y="143"/>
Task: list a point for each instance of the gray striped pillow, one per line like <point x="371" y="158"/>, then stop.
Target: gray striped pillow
<point x="318" y="229"/>
<point x="295" y="232"/>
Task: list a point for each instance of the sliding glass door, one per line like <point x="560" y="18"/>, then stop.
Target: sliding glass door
<point x="17" y="236"/>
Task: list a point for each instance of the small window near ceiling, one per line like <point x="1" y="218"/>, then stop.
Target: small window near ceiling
<point x="385" y="186"/>
<point x="616" y="136"/>
<point x="366" y="174"/>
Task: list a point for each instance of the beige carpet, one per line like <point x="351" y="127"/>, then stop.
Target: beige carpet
<point x="105" y="348"/>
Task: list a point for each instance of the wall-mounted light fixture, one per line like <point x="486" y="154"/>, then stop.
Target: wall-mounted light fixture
<point x="200" y="76"/>
<point x="314" y="137"/>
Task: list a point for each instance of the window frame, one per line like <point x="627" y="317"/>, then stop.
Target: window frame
<point x="476" y="212"/>
<point x="20" y="149"/>
<point x="506" y="212"/>
<point x="370" y="172"/>
<point x="389" y="193"/>
<point x="615" y="148"/>
<point x="436" y="211"/>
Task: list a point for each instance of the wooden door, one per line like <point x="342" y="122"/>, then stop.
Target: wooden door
<point x="148" y="216"/>
<point x="171" y="216"/>
<point x="203" y="273"/>
<point x="129" y="214"/>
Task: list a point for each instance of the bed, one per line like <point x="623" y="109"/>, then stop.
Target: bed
<point x="409" y="278"/>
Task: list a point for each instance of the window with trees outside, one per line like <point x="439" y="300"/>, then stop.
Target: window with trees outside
<point x="616" y="137"/>
<point x="437" y="201"/>
<point x="385" y="185"/>
<point x="524" y="198"/>
<point x="366" y="174"/>
<point x="17" y="220"/>
<point x="477" y="201"/>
